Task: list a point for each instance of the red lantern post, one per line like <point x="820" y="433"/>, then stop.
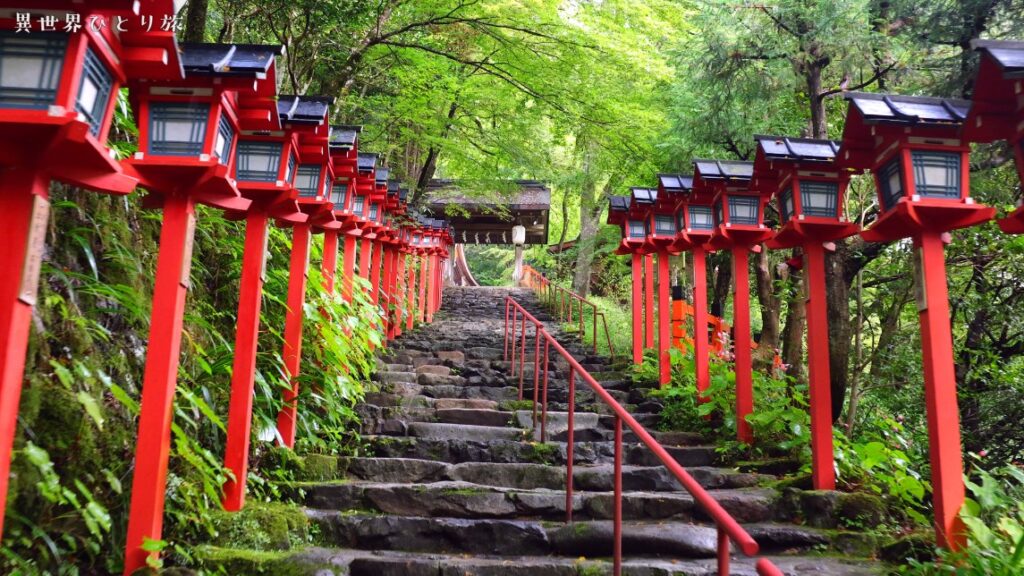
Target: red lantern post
<point x="916" y="150"/>
<point x="802" y="175"/>
<point x="738" y="216"/>
<point x="344" y="148"/>
<point x="57" y="96"/>
<point x="630" y="215"/>
<point x="186" y="131"/>
<point x="313" y="178"/>
<point x="997" y="109"/>
<point x="661" y="234"/>
<point x="695" y="224"/>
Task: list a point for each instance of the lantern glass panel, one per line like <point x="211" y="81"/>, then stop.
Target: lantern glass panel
<point x="374" y="209"/>
<point x="358" y="205"/>
<point x="890" y="180"/>
<point x="744" y="210"/>
<point x="936" y="174"/>
<point x="786" y="203"/>
<point x="819" y="198"/>
<point x="307" y="180"/>
<point x="637" y="229"/>
<point x="664" y="226"/>
<point x="718" y="214"/>
<point x="338" y="193"/>
<point x="291" y="168"/>
<point x="225" y="138"/>
<point x="30" y="69"/>
<point x="94" y="92"/>
<point x="258" y="161"/>
<point x="701" y="218"/>
<point x="177" y="129"/>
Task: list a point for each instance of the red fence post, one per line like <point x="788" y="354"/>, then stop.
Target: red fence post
<point x="376" y="267"/>
<point x="638" y="303"/>
<point x="243" y="367"/>
<point x="348" y="267"/>
<point x="741" y="344"/>
<point x="823" y="472"/>
<point x="389" y="272"/>
<point x="569" y="446"/>
<point x="544" y="395"/>
<point x="329" y="265"/>
<point x="365" y="252"/>
<point x="400" y="304"/>
<point x="700" y="321"/>
<point x="536" y="372"/>
<point x="617" y="499"/>
<point x="23" y="219"/>
<point x="723" y="552"/>
<point x="664" y="327"/>
<point x="301" y="234"/>
<point x="410" y="299"/>
<point x="422" y="302"/>
<point x="649" y="301"/>
<point x="153" y="443"/>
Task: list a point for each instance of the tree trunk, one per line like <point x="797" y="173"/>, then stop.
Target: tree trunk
<point x="793" y="333"/>
<point x="430" y="164"/>
<point x="195" y="21"/>
<point x="720" y="291"/>
<point x="770" y="305"/>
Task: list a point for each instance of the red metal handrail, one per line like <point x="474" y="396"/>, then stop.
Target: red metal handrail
<point x="562" y="300"/>
<point x="727" y="526"/>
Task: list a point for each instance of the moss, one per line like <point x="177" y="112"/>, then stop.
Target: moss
<point x="513" y="405"/>
<point x="861" y="510"/>
<point x="588" y="568"/>
<point x="235" y="561"/>
<point x="864" y="545"/>
<point x="919" y="545"/>
<point x="318" y="467"/>
<point x="542" y="453"/>
<point x="262" y="526"/>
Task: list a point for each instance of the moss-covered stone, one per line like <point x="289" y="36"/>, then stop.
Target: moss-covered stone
<point x="236" y="561"/>
<point x="860" y="510"/>
<point x="318" y="467"/>
<point x="860" y="544"/>
<point x="263" y="527"/>
<point x="919" y="546"/>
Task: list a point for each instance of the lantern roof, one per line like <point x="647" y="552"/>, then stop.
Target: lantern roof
<point x="774" y="148"/>
<point x="727" y="170"/>
<point x="344" y="137"/>
<point x="675" y="183"/>
<point x="403" y="194"/>
<point x="252" y="60"/>
<point x="995" y="103"/>
<point x="381" y="175"/>
<point x="394" y="185"/>
<point x="367" y="161"/>
<point x="1008" y="55"/>
<point x="912" y="110"/>
<point x="644" y="196"/>
<point x="618" y="208"/>
<point x="309" y="110"/>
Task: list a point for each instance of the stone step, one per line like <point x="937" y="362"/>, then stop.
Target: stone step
<point x="467" y="500"/>
<point x="530" y="476"/>
<point x="528" y="537"/>
<point x="443" y="431"/>
<point x="475" y="450"/>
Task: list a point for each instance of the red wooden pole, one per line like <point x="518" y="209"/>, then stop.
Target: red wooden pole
<point x="428" y="304"/>
<point x="365" y="252"/>
<point x="301" y="233"/>
<point x="664" y="326"/>
<point x="243" y="368"/>
<point x="349" y="266"/>
<point x="422" y="302"/>
<point x="153" y="442"/>
<point x="376" y="267"/>
<point x="638" y="312"/>
<point x="400" y="281"/>
<point x="823" y="473"/>
<point x="410" y="319"/>
<point x="386" y="289"/>
<point x="329" y="266"/>
<point x="741" y="343"/>
<point x="648" y="301"/>
<point x="23" y="219"/>
<point x="700" y="320"/>
<point x="940" y="392"/>
<point x="617" y="502"/>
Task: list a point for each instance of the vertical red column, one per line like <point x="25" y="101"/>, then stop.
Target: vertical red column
<point x="638" y="309"/>
<point x="400" y="290"/>
<point x="648" y="301"/>
<point x="741" y="343"/>
<point x="823" y="472"/>
<point x="422" y="302"/>
<point x="700" y="320"/>
<point x="940" y="391"/>
<point x="243" y="367"/>
<point x="349" y="266"/>
<point x="664" y="326"/>
<point x="431" y="286"/>
<point x="389" y="262"/>
<point x="301" y="234"/>
<point x="410" y="318"/>
<point x="375" y="269"/>
<point x="365" y="252"/>
<point x="23" y="219"/>
<point x="153" y="442"/>
<point x="329" y="266"/>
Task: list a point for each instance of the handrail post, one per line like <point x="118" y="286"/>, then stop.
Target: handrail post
<point x="507" y="305"/>
<point x="723" y="552"/>
<point x="617" y="517"/>
<point x="512" y="367"/>
<point x="522" y="357"/>
<point x="594" y="319"/>
<point x="569" y="448"/>
<point x="536" y="372"/>
<point x="544" y="396"/>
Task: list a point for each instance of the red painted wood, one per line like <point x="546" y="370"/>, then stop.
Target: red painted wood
<point x="422" y="302"/>
<point x="410" y="318"/>
<point x="664" y="323"/>
<point x="649" y="301"/>
<point x="145" y="519"/>
<point x="700" y="320"/>
<point x="400" y="293"/>
<point x="18" y="188"/>
<point x="386" y="288"/>
<point x="348" y="267"/>
<point x="822" y="464"/>
<point x="638" y="311"/>
<point x="431" y="286"/>
<point x="293" y="329"/>
<point x="376" y="265"/>
<point x="243" y="368"/>
<point x="940" y="395"/>
<point x="617" y="499"/>
<point x="741" y="343"/>
<point x="329" y="266"/>
<point x="365" y="252"/>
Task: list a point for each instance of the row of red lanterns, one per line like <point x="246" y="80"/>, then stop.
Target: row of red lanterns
<point x="917" y="149"/>
<point x="214" y="131"/>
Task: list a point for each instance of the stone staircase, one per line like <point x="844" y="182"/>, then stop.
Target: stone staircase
<point x="454" y="483"/>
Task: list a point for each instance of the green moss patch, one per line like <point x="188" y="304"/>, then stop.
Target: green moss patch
<point x="262" y="527"/>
